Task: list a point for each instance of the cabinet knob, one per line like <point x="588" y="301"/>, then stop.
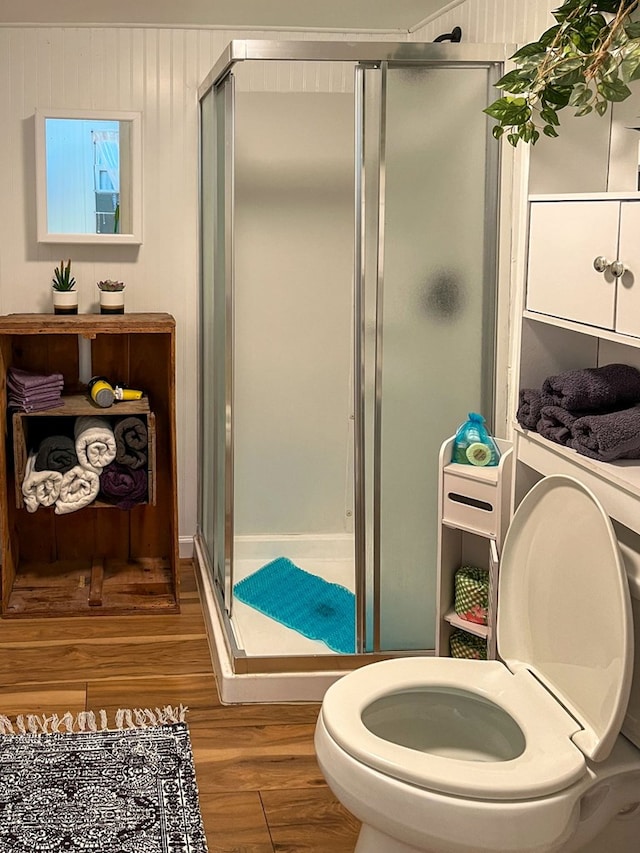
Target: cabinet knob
<point x="600" y="264"/>
<point x="617" y="269"/>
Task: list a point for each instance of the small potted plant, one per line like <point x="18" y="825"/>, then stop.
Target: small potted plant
<point x="111" y="296"/>
<point x="65" y="298"/>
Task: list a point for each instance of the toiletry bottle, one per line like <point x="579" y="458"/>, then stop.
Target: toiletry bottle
<point x="473" y="445"/>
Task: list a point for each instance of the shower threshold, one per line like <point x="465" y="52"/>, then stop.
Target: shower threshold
<point x="246" y="678"/>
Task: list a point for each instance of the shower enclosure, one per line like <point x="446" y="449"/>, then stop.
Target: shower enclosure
<point x="349" y="318"/>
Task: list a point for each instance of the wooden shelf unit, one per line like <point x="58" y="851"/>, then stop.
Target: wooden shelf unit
<point x="100" y="559"/>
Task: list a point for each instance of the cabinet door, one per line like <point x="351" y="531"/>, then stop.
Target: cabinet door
<point x="628" y="297"/>
<point x="564" y="239"/>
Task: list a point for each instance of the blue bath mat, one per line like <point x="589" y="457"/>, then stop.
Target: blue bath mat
<point x="310" y="605"/>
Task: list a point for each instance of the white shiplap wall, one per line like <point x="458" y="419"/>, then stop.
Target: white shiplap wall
<point x="156" y="71"/>
<point x="492" y="21"/>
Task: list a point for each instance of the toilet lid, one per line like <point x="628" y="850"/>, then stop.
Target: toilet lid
<point x="564" y="611"/>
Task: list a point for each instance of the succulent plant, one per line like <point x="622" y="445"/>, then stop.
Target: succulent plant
<point x="62" y="278"/>
<point x="111" y="286"/>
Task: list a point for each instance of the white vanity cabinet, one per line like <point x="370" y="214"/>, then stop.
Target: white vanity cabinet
<point x="584" y="260"/>
<point x="577" y="317"/>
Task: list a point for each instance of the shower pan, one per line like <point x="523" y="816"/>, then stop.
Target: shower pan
<point x="350" y="318"/>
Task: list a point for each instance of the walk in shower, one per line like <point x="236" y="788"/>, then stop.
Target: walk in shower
<point x="349" y="309"/>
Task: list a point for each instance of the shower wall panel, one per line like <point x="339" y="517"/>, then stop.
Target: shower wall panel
<point x="294" y="211"/>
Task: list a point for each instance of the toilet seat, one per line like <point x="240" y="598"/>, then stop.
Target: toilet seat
<point x="550" y="760"/>
<point x="564" y="631"/>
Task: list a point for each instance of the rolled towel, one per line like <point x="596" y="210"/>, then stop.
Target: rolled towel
<point x="531" y="401"/>
<point x="125" y="487"/>
<point x="594" y="388"/>
<point x="131" y="442"/>
<point x="56" y="453"/>
<point x="95" y="444"/>
<point x="79" y="487"/>
<point x="555" y="423"/>
<point x="39" y="488"/>
<point x="614" y="435"/>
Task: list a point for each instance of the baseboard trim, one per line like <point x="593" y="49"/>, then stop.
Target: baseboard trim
<point x="185" y="547"/>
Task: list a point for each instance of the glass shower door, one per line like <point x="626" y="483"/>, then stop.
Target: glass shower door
<point x="435" y="302"/>
<point x="215" y="312"/>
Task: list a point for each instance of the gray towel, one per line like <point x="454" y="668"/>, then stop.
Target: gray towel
<point x="56" y="453"/>
<point x="555" y="424"/>
<point x="594" y="388"/>
<point x="531" y="401"/>
<point x="615" y="435"/>
<point x="131" y="442"/>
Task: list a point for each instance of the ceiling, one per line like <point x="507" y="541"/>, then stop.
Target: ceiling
<point x="281" y="14"/>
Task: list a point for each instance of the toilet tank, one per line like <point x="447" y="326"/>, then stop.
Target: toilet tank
<point x="631" y="555"/>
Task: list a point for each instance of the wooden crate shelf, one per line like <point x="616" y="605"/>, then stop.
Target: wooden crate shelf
<point x="73" y="406"/>
<point x="92" y="561"/>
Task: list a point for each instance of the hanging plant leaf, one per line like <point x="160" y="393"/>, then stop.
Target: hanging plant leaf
<point x="584" y="61"/>
<point x="614" y="90"/>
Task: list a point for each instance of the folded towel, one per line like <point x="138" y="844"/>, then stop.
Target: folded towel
<point x="595" y="388"/>
<point x="531" y="401"/>
<point x="95" y="444"/>
<point x="555" y="423"/>
<point x="125" y="487"/>
<point x="614" y="435"/>
<point x="56" y="453"/>
<point x="40" y="397"/>
<point x="34" y="394"/>
<point x="35" y="407"/>
<point x="39" y="488"/>
<point x="131" y="442"/>
<point x="25" y="379"/>
<point x="79" y="487"/>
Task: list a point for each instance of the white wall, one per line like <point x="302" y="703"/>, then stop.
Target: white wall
<point x="156" y="71"/>
<point x="492" y="21"/>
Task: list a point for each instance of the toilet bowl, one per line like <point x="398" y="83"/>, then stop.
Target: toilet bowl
<point x="537" y="752"/>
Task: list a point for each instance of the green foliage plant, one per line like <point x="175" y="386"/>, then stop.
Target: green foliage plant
<point x="62" y="278"/>
<point x="585" y="62"/>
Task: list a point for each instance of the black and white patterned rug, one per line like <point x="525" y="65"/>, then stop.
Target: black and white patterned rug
<point x="131" y="790"/>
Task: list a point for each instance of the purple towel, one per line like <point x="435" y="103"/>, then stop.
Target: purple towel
<point x="555" y="423"/>
<point x="531" y="401"/>
<point x="25" y="380"/>
<point x="615" y="435"/>
<point x="123" y="486"/>
<point x="40" y="406"/>
<point x="33" y="397"/>
<point x="34" y="393"/>
<point x="594" y="388"/>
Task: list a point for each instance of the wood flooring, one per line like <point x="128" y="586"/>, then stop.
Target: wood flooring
<point x="261" y="790"/>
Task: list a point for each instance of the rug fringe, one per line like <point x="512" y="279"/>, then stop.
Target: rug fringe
<point x="86" y="721"/>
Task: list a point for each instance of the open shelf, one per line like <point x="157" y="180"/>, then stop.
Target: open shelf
<point x="470" y="627"/>
<point x="74" y="406"/>
<point x="612" y="482"/>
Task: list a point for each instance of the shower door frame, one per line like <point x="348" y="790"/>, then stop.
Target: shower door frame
<point x="366" y="56"/>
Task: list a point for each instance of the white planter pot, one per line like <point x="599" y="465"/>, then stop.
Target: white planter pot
<point x="65" y="301"/>
<point x="112" y="302"/>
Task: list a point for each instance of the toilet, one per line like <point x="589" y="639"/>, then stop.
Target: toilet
<point x="538" y="751"/>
